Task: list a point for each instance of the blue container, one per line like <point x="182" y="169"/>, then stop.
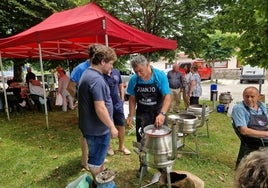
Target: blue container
<point x="213" y="87"/>
<point x="220" y="108"/>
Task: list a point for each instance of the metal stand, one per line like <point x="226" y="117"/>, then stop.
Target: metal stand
<point x="214" y="99"/>
<point x="167" y="169"/>
<point x="190" y="150"/>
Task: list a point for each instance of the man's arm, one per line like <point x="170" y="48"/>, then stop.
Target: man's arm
<point x="132" y="108"/>
<point x="244" y="130"/>
<point x="122" y="91"/>
<point x="104" y="116"/>
<point x="160" y="118"/>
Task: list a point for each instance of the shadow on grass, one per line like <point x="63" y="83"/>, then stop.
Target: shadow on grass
<point x="62" y="175"/>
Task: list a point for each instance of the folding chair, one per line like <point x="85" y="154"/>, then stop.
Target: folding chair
<point x="13" y="102"/>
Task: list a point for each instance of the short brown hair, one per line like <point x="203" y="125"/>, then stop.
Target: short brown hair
<point x="99" y="52"/>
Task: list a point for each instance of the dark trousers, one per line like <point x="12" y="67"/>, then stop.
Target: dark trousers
<point x="194" y="100"/>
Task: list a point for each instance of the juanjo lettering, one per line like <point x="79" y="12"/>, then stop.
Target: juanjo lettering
<point x="146" y="89"/>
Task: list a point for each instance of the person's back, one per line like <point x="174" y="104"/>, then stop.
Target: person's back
<point x="29" y="76"/>
<point x="35" y="87"/>
<point x="78" y="71"/>
<point x="75" y="77"/>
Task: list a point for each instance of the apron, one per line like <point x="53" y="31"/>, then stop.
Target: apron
<point x="149" y="101"/>
<point x="249" y="144"/>
<point x="257" y="121"/>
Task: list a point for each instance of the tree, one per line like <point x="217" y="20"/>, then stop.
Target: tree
<point x="18" y="15"/>
<point x="218" y="47"/>
<point x="250" y="20"/>
<point x="185" y="21"/>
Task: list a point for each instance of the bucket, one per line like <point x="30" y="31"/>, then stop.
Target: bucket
<point x="220" y="108"/>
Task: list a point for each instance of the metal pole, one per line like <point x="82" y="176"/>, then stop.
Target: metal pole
<point x="43" y="81"/>
<point x="260" y="83"/>
<point x="4" y="88"/>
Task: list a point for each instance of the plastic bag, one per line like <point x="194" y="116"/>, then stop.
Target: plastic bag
<point x="58" y="100"/>
<point x="83" y="181"/>
<point x="230" y="108"/>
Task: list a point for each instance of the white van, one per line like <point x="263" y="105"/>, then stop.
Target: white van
<point x="249" y="73"/>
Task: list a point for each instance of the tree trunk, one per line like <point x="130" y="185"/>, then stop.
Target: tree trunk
<point x="18" y="72"/>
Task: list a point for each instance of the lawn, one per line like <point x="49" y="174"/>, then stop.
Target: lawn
<point x="34" y="156"/>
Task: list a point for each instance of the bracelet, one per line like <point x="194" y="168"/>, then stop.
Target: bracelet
<point x="163" y="113"/>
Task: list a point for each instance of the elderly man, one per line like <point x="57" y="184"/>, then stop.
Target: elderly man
<point x="250" y="118"/>
<point x="175" y="80"/>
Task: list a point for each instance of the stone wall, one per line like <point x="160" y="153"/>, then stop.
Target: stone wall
<point x="232" y="74"/>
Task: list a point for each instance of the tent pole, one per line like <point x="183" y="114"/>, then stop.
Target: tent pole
<point x="43" y="81"/>
<point x="68" y="64"/>
<point x="106" y="40"/>
<point x="4" y="88"/>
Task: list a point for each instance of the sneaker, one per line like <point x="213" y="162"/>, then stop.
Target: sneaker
<point x="110" y="152"/>
<point x="22" y="104"/>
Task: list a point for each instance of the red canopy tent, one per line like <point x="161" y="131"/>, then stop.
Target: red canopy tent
<point x="67" y="34"/>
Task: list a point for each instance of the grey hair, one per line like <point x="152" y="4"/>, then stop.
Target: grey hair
<point x="252" y="171"/>
<point x="139" y="59"/>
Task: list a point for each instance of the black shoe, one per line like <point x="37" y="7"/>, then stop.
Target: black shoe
<point x="138" y="175"/>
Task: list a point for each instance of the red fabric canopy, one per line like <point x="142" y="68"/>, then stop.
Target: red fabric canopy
<point x="67" y="34"/>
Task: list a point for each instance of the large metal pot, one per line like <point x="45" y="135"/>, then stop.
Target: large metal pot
<point x="187" y="123"/>
<point x="158" y="146"/>
<point x="225" y="98"/>
<point x="196" y="109"/>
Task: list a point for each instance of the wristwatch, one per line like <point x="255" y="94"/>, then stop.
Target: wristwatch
<point x="163" y="113"/>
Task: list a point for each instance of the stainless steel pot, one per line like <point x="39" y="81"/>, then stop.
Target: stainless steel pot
<point x="187" y="123"/>
<point x="196" y="109"/>
<point x="158" y="146"/>
<point x="225" y="98"/>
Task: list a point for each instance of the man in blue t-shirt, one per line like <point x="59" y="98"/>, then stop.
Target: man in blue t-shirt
<point x="117" y="93"/>
<point x="75" y="78"/>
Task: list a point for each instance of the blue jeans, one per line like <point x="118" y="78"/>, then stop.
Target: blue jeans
<point x="97" y="149"/>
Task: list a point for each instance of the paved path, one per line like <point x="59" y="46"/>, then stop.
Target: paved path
<point x="232" y="86"/>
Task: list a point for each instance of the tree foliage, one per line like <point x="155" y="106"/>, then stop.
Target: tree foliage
<point x="250" y="20"/>
<point x="18" y="15"/>
<point x="184" y="21"/>
<point x="187" y="21"/>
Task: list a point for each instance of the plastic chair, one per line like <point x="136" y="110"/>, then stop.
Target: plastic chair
<point x="13" y="102"/>
<point x="36" y="100"/>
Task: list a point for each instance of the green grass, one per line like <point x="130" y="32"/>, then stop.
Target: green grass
<point x="34" y="156"/>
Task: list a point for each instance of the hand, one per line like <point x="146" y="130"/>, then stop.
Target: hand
<point x="159" y="120"/>
<point x="114" y="132"/>
<point x="129" y="120"/>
